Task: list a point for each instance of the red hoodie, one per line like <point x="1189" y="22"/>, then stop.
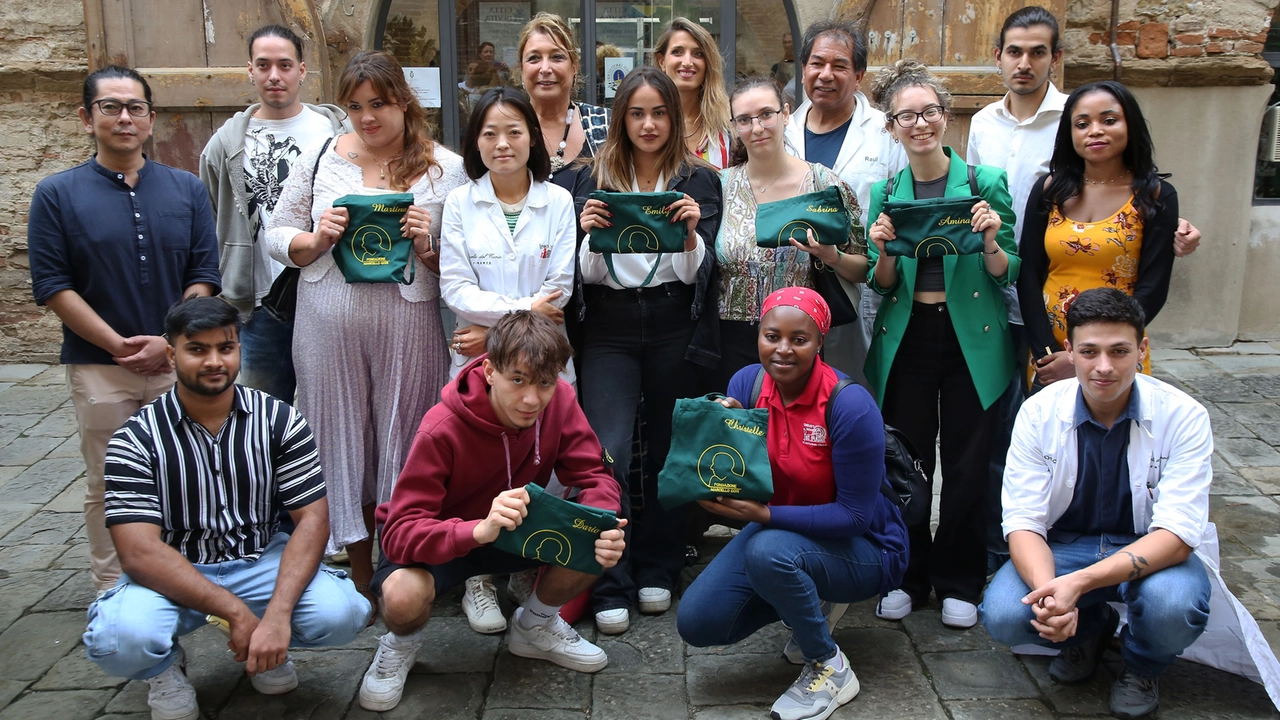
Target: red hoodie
<point x="462" y="457"/>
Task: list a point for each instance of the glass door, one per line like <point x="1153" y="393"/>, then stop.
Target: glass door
<point x="626" y="33"/>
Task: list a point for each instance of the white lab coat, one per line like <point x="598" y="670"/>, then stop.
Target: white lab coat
<point x="487" y="272"/>
<point x="1170" y="471"/>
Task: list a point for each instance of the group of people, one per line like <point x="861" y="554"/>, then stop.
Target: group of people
<point x="430" y="418"/>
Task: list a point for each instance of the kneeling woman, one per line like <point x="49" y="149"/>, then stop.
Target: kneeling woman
<point x="828" y="535"/>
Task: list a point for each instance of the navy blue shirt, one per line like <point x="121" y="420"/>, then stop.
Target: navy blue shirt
<point x="824" y="148"/>
<point x="128" y="251"/>
<point x="1102" y="501"/>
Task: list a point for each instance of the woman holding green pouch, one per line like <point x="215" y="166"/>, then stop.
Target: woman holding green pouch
<point x="648" y="327"/>
<point x="941" y="353"/>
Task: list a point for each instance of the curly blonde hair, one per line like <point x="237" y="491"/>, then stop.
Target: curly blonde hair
<point x="554" y="27"/>
<point x="905" y="73"/>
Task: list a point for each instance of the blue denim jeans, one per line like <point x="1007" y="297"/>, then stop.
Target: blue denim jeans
<point x="266" y="356"/>
<point x="1168" y="609"/>
<point x="764" y="575"/>
<point x="133" y="629"/>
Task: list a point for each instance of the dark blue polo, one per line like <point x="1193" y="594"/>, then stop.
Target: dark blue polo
<point x="824" y="148"/>
<point x="1102" y="501"/>
<point x="129" y="252"/>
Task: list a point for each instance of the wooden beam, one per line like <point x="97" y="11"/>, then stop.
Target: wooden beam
<point x="213" y="88"/>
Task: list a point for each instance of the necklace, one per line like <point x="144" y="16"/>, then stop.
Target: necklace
<point x="557" y="161"/>
<point x="764" y="188"/>
<point x="382" y="164"/>
<point x="696" y="124"/>
<point x="1122" y="176"/>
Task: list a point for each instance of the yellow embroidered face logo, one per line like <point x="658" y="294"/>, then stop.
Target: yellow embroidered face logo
<point x="717" y="467"/>
<point x="796" y="230"/>
<point x="935" y="246"/>
<point x="548" y="546"/>
<point x="637" y="239"/>
<point x="370" y="244"/>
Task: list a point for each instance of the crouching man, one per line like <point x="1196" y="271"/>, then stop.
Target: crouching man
<point x="195" y="482"/>
<point x="505" y="422"/>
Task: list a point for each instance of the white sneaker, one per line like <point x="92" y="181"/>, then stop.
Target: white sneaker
<point x="655" y="600"/>
<point x="384" y="680"/>
<point x="171" y="696"/>
<point x="894" y="606"/>
<point x="276" y="681"/>
<point x="480" y="603"/>
<point x="613" y="622"/>
<point x="957" y="613"/>
<point x="520" y="585"/>
<point x="555" y="641"/>
<point x="833" y="612"/>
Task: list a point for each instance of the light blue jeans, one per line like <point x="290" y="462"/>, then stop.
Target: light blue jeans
<point x="133" y="630"/>
<point x="1168" y="609"/>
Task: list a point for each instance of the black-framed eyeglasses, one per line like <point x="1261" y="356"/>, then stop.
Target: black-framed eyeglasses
<point x="112" y="107"/>
<point x="907" y="118"/>
<point x="767" y="119"/>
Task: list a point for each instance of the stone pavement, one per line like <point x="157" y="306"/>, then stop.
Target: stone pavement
<point x="913" y="669"/>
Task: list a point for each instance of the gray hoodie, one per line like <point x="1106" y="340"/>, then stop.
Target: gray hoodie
<point x="245" y="276"/>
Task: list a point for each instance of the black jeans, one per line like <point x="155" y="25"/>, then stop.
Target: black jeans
<point x="634" y="343"/>
<point x="929" y="384"/>
<point x="1007" y="408"/>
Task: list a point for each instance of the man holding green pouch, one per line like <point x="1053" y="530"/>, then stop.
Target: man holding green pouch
<point x="933" y="227"/>
<point x="557" y="532"/>
<point x="372" y="248"/>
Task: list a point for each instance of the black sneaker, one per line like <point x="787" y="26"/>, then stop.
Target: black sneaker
<point x="1134" y="697"/>
<point x="1078" y="663"/>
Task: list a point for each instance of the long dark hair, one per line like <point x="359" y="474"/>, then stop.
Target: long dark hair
<point x="1067" y="167"/>
<point x="613" y="163"/>
<point x="539" y="162"/>
<point x="738" y="154"/>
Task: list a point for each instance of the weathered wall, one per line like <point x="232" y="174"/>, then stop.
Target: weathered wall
<point x="1260" y="311"/>
<point x="42" y="63"/>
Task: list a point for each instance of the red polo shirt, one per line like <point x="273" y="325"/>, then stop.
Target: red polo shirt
<point x="798" y="441"/>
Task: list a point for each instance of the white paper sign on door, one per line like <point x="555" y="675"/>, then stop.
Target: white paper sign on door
<point x="614" y="70"/>
<point x="425" y="83"/>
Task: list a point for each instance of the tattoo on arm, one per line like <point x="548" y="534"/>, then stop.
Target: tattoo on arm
<point x="1140" y="565"/>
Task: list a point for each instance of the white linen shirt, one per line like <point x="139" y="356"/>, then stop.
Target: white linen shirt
<point x="633" y="268"/>
<point x="486" y="271"/>
<point x="1022" y="149"/>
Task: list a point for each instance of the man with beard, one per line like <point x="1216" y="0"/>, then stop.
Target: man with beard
<point x="195" y="482"/>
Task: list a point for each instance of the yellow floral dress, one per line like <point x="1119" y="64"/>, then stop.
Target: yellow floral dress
<point x="1083" y="256"/>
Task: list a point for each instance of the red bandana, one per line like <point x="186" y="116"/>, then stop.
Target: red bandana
<point x="808" y="301"/>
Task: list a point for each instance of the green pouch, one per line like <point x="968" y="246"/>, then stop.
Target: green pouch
<point x="558" y="532"/>
<point x="822" y="212"/>
<point x="373" y="250"/>
<point x="716" y="452"/>
<point x="933" y="227"/>
<point x="641" y="224"/>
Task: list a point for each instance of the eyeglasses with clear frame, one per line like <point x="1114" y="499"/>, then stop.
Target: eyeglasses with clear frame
<point x="768" y="119"/>
<point x="907" y="118"/>
<point x="113" y="107"/>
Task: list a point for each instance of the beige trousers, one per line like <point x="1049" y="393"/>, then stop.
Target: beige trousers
<point x="105" y="397"/>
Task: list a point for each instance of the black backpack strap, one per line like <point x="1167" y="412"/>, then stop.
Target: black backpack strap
<point x="756" y="387"/>
<point x="973" y="181"/>
<point x="316" y="169"/>
<point x="831" y="400"/>
<point x="888" y="188"/>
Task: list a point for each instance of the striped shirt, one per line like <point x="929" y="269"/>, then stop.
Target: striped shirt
<point x="215" y="497"/>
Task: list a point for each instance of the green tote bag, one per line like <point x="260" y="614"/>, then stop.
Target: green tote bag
<point x="641" y="224"/>
<point x="822" y="212"/>
<point x="716" y="452"/>
<point x="558" y="532"/>
<point x="373" y="250"/>
<point x="933" y="227"/>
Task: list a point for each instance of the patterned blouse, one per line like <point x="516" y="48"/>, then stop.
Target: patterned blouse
<point x="748" y="274"/>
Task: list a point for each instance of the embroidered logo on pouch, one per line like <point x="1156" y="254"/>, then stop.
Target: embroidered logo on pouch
<point x="815" y="435"/>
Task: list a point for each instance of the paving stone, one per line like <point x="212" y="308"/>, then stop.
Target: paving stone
<point x="978" y="675"/>
<point x="77" y="593"/>
<point x="11" y="426"/>
<point x="130" y="716"/>
<point x="639" y="697"/>
<point x="743" y="678"/>
<point x="1222" y="388"/>
<point x="528" y="714"/>
<point x="42" y="482"/>
<point x="14" y="514"/>
<point x="1229" y="483"/>
<point x="53" y="375"/>
<point x="928" y="634"/>
<point x="1245" y="452"/>
<point x="1267" y="432"/>
<point x="1251" y="520"/>
<point x="10" y="689"/>
<point x="75" y="672"/>
<point x="27" y="400"/>
<point x="33" y="643"/>
<point x="440" y="697"/>
<point x="520" y="682"/>
<point x="1189" y="369"/>
<point x="60" y="423"/>
<point x="998" y="710"/>
<point x="75" y="558"/>
<point x="651" y="645"/>
<point x="893" y="683"/>
<point x="22" y="590"/>
<point x="1197" y="692"/>
<point x="70" y="448"/>
<point x="739" y="712"/>
<point x="9" y="473"/>
<point x="44" y="528"/>
<point x="1091" y="697"/>
<point x="327" y="684"/>
<point x="1163" y="355"/>
<point x="70" y="704"/>
<point x="210" y="668"/>
<point x="863" y="615"/>
<point x="27" y="450"/>
<point x="1224" y="424"/>
<point x="768" y="640"/>
<point x="1267" y="385"/>
<point x="70" y="500"/>
<point x="1247" y="364"/>
<point x="449" y="645"/>
<point x="24" y="558"/>
<point x="21" y="373"/>
<point x="1266" y="479"/>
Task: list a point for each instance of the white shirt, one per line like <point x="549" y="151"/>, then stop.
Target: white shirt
<point x="486" y="271"/>
<point x="633" y="268"/>
<point x="1170" y="471"/>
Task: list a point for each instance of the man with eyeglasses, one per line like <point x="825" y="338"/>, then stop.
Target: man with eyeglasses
<point x="837" y="126"/>
<point x="113" y="242"/>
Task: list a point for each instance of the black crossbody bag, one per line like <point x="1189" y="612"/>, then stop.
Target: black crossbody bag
<point x="282" y="300"/>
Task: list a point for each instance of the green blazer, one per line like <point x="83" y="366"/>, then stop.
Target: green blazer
<point x="974" y="298"/>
